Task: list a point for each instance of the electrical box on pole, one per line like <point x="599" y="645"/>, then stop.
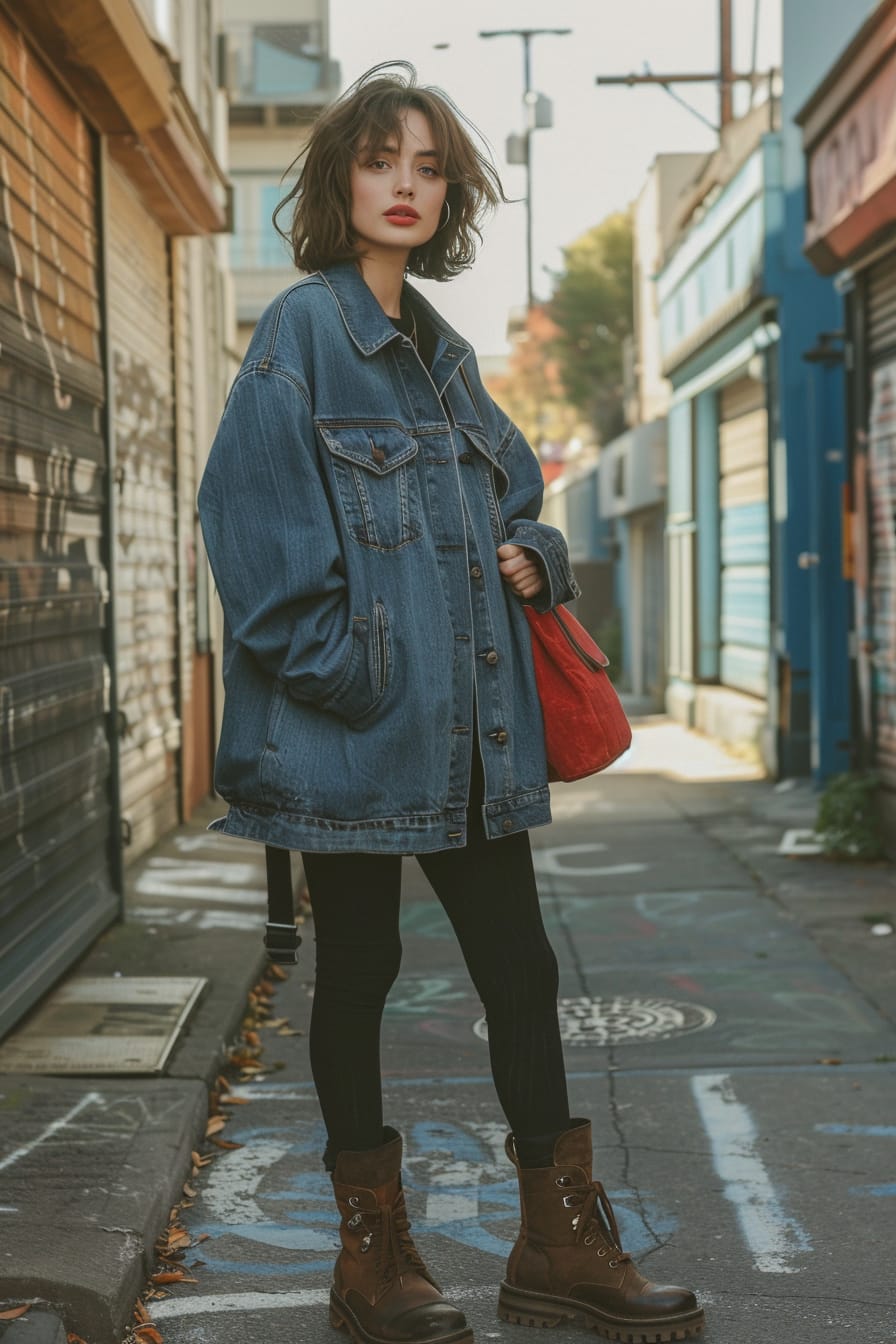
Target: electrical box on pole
<point x="544" y="113"/>
<point x="515" y="149"/>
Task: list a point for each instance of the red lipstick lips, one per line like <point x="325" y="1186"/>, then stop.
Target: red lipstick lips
<point x="402" y="214"/>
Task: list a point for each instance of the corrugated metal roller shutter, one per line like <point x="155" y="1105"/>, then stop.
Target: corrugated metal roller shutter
<point x="881" y="309"/>
<point x="186" y="258"/>
<point x="743" y="500"/>
<point x="146" y="545"/>
<point x="55" y="814"/>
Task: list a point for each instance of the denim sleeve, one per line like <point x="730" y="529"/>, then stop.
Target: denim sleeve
<point x="274" y="550"/>
<point x="520" y="507"/>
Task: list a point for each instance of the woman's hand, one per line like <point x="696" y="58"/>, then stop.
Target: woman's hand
<point x="521" y="569"/>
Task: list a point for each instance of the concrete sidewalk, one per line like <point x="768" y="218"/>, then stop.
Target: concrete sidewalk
<point x="90" y="1167"/>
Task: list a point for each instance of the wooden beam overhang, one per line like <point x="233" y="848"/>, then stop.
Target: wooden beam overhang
<point x="126" y="87"/>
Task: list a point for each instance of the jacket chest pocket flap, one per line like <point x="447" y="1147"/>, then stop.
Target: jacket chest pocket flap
<point x="375" y="473"/>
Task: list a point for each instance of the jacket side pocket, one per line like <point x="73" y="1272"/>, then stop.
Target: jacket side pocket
<point x="381" y="651"/>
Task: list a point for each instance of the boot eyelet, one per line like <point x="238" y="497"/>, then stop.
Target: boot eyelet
<point x="569" y="1201"/>
<point x="365" y="1244"/>
<point x="563" y="1180"/>
<point x="602" y="1250"/>
<point x="353" y="1222"/>
<point x="354" y="1201"/>
<point x="612" y="1263"/>
<point x="590" y="1239"/>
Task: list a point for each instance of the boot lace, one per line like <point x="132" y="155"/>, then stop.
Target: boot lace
<point x="389" y="1233"/>
<point x="595" y="1218"/>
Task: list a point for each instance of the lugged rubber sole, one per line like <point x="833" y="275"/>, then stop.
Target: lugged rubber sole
<point x="343" y="1318"/>
<point x="520" y="1307"/>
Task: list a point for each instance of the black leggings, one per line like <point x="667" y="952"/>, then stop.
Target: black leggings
<point x="488" y="892"/>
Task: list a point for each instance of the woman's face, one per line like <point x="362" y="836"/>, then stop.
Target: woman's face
<point x="398" y="189"/>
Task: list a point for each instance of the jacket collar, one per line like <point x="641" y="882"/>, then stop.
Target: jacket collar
<point x="368" y="325"/>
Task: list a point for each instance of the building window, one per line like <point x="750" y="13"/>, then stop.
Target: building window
<point x="276" y="62"/>
<point x="619" y="475"/>
<point x="256" y="244"/>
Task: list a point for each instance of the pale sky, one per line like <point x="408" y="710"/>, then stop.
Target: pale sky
<point x="594" y="159"/>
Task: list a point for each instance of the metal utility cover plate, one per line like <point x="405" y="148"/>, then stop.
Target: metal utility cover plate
<point x="104" y="1024"/>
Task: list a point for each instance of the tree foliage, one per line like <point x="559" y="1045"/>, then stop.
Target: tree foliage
<point x="532" y="391"/>
<point x="592" y="309"/>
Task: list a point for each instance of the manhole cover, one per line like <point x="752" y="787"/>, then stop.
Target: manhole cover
<point x="617" y="1021"/>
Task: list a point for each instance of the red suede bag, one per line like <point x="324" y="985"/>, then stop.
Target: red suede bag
<point x="585" y="728"/>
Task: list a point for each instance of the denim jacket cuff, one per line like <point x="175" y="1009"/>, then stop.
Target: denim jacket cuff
<point x="561" y="583"/>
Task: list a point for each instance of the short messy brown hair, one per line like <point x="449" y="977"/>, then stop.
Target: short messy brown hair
<point x="320" y="232"/>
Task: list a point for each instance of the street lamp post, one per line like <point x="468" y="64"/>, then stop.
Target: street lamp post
<point x="533" y="107"/>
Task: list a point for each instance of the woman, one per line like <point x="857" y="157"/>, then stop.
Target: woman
<point x="371" y="518"/>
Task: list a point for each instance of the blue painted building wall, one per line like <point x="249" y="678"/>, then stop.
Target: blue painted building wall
<point x="812" y="601"/>
<point x="755" y="226"/>
<point x="717" y="321"/>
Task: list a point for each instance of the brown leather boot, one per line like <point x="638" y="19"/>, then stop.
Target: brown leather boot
<point x="568" y="1264"/>
<point x="382" y="1292"/>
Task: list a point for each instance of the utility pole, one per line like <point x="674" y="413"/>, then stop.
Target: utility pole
<point x="537" y="111"/>
<point x="725" y="76"/>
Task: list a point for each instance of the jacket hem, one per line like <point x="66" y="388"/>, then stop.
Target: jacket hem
<point x="422" y="834"/>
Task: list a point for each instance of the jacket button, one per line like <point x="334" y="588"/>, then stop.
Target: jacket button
<point x="501" y="736"/>
<point x="466" y="458"/>
<point x="507" y="824"/>
<point x="491" y="657"/>
<point x="475" y="572"/>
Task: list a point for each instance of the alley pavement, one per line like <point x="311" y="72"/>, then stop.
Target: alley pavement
<point x="729" y="1020"/>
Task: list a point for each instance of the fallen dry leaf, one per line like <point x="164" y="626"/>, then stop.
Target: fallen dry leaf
<point x="203" y="1236"/>
<point x="235" y="1101"/>
<point x="225" y="1143"/>
<point x="140" y="1311"/>
<point x="251" y="1038"/>
<point x="177" y="1238"/>
<point x="215" y="1125"/>
<point x="222" y="1083"/>
<point x="277" y="1022"/>
<point x="244" y="1061"/>
<point x="149" y="1332"/>
<point x="14" y="1312"/>
<point x="832" y="1060"/>
<point x="290" y="1031"/>
<point x="75" y="1339"/>
<point x="189" y="1191"/>
<point x="169" y="1276"/>
<point x="202" y="1161"/>
<point x="277" y="972"/>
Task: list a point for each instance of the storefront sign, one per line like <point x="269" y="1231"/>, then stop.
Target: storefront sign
<point x="852" y="174"/>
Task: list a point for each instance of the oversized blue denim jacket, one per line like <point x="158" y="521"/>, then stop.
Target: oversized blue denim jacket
<point x="352" y="506"/>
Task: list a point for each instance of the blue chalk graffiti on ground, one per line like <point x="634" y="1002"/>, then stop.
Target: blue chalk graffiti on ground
<point x="458" y="1183"/>
<point x="888" y="1189"/>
